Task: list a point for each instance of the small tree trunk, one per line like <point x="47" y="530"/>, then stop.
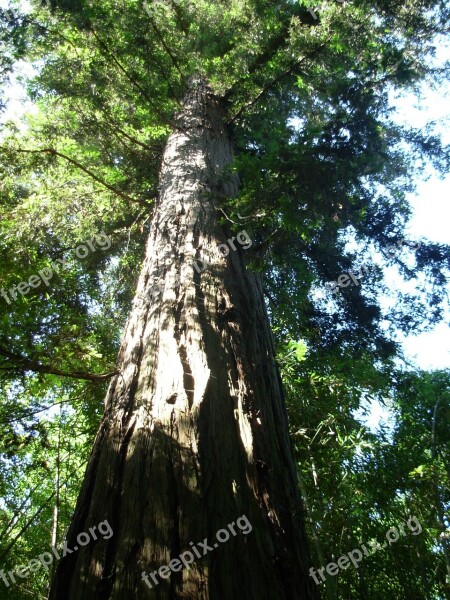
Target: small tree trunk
<point x="54" y="535"/>
<point x="195" y="430"/>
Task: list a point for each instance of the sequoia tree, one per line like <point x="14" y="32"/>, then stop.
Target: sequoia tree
<point x="242" y="137"/>
<point x="195" y="431"/>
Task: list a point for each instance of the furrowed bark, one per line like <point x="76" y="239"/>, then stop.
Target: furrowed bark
<point x="195" y="430"/>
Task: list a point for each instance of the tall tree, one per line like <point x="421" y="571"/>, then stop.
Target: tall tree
<point x="194" y="432"/>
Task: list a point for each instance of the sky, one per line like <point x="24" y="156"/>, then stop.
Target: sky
<point x="430" y="221"/>
<point x="431" y="216"/>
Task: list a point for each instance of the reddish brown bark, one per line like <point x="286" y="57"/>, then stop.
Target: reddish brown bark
<point x="195" y="430"/>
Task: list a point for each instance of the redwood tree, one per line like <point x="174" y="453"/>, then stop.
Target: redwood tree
<point x="152" y="113"/>
<point x="195" y="430"/>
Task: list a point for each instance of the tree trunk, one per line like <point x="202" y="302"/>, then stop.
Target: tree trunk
<point x="195" y="431"/>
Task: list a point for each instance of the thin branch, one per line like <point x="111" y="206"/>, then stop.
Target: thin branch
<point x="167" y="49"/>
<point x="270" y="297"/>
<point x="31" y="593"/>
<point x="113" y="126"/>
<point x="276" y="80"/>
<point x="135" y="83"/>
<point x="270" y="51"/>
<point x="225" y="215"/>
<point x="265" y="242"/>
<point x="128" y="136"/>
<point x="36" y="412"/>
<point x="17" y="512"/>
<point x="24" y="528"/>
<point x="36" y="514"/>
<point x="27" y="364"/>
<point x="82" y="168"/>
<point x="181" y="21"/>
<point x="261" y="60"/>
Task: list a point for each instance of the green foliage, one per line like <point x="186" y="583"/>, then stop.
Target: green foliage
<point x="358" y="484"/>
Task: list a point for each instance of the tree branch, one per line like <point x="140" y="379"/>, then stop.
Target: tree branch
<point x="134" y="82"/>
<point x="167" y="49"/>
<point x="82" y="168"/>
<point x="26" y="364"/>
<point x="36" y="514"/>
<point x="274" y="81"/>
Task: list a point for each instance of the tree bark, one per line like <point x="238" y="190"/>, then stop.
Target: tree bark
<point x="195" y="431"/>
